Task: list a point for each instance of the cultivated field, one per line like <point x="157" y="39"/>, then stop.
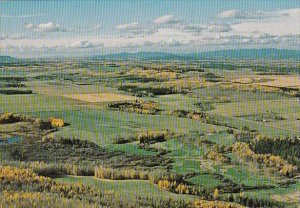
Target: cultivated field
<point x="100" y="98"/>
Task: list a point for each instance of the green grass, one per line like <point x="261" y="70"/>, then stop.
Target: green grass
<point x="241" y="175"/>
<point x="181" y="147"/>
<point x="185" y="166"/>
<point x="268" y="193"/>
<point x="236" y="96"/>
<point x="130" y="148"/>
<point x="242" y="108"/>
<point x="208" y="181"/>
<point x="221" y="138"/>
<point x="101" y="125"/>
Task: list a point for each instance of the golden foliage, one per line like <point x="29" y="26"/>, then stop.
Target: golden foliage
<point x="136" y="107"/>
<point x="12" y="175"/>
<point x="216" y="193"/>
<point x="216" y="156"/>
<point x="56" y="122"/>
<point x="117" y="174"/>
<point x="215" y="204"/>
<point x="182" y="189"/>
<point x="39" y="199"/>
<point x="274" y="162"/>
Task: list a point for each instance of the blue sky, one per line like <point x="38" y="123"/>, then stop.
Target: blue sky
<point x="84" y="27"/>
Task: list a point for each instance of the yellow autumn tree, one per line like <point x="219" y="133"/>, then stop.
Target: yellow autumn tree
<point x="216" y="193"/>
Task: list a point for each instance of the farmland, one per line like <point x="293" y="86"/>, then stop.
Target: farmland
<point x="146" y="130"/>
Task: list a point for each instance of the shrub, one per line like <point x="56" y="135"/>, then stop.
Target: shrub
<point x="56" y="122"/>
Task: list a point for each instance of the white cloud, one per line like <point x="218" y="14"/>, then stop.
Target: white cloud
<point x="219" y="28"/>
<point x="278" y="23"/>
<point x="48" y="27"/>
<point x="277" y="28"/>
<point x="45" y="27"/>
<point x="192" y="28"/>
<point x="29" y="26"/>
<point x="260" y="15"/>
<point x="230" y="14"/>
<point x="167" y="19"/>
<point x="82" y="44"/>
<point x="130" y="26"/>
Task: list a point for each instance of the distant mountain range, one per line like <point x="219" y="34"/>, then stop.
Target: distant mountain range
<point x="266" y="53"/>
<point x="7" y="59"/>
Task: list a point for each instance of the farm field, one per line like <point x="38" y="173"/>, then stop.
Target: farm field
<point x="172" y="136"/>
<point x="100" y="98"/>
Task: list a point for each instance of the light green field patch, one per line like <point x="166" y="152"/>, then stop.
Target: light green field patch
<point x="221" y="138"/>
<point x="130" y="148"/>
<point x="207" y="181"/>
<point x="241" y="175"/>
<point x="255" y="107"/>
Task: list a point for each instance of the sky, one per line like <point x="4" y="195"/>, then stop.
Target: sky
<point x="42" y="28"/>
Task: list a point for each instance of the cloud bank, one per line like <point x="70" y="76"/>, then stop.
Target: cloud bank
<point x="237" y="28"/>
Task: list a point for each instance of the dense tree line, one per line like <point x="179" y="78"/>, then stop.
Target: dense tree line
<point x="287" y="148"/>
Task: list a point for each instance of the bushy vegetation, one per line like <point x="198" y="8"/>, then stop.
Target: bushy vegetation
<point x="9" y="118"/>
<point x="11" y="178"/>
<point x="15" y="92"/>
<point x="136" y="107"/>
<point x="80" y="153"/>
<point x="23" y="188"/>
<point x="244" y="136"/>
<point x="164" y="180"/>
<point x="151" y="89"/>
<point x="219" y="99"/>
<point x="215" y="204"/>
<point x="148" y="137"/>
<point x="274" y="164"/>
<point x="146" y="75"/>
<point x="56" y="122"/>
<point x="287" y="148"/>
<point x="216" y="156"/>
<point x="196" y="115"/>
<point x="205" y="106"/>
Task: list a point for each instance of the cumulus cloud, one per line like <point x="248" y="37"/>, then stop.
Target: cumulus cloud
<point x="230" y="14"/>
<point x="219" y="28"/>
<point x="235" y="14"/>
<point x="192" y="28"/>
<point x="82" y="44"/>
<point x="44" y="27"/>
<point x="275" y="28"/>
<point x="29" y="26"/>
<point x="48" y="27"/>
<point x="130" y="26"/>
<point x="167" y="19"/>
